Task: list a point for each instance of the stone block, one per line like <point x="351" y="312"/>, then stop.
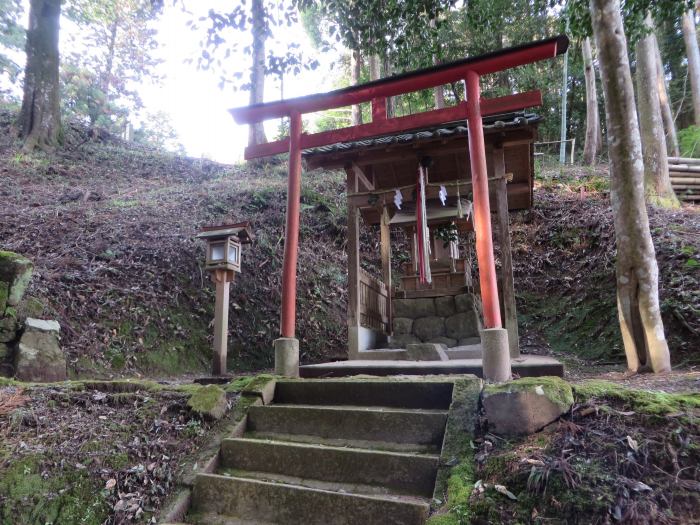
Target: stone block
<point x="209" y="401"/>
<point x="465" y="302"/>
<point x="403" y="325"/>
<point x="4" y="295"/>
<point x="8" y="329"/>
<point x="469" y="341"/>
<point x="287" y="357"/>
<point x="449" y="343"/>
<point x="426" y="328"/>
<point x="16" y="272"/>
<point x="496" y="357"/>
<point x="414" y="308"/>
<point x="462" y="325"/>
<point x="445" y="306"/>
<point x="402" y="341"/>
<point x="39" y="357"/>
<point x="526" y="405"/>
<point x="426" y="352"/>
<point x="5" y="351"/>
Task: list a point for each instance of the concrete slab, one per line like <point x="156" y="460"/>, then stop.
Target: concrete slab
<point x="524" y="366"/>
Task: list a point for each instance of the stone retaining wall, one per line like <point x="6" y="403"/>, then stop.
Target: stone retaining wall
<point x="452" y="321"/>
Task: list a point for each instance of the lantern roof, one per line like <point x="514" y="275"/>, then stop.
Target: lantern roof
<point x="241" y="230"/>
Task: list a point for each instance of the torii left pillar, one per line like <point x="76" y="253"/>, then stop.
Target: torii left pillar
<point x="494" y="338"/>
<point x="287" y="345"/>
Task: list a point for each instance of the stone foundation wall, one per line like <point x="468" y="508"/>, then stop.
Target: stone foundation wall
<point x="452" y="321"/>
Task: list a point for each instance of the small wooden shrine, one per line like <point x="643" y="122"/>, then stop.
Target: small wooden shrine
<point x="379" y="168"/>
<point x="397" y="167"/>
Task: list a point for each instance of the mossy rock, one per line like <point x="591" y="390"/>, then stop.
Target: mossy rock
<point x="209" y="401"/>
<point x="526" y="405"/>
<point x="642" y="401"/>
<point x="16" y="272"/>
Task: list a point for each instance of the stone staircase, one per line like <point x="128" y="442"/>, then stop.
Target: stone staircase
<point x="330" y="452"/>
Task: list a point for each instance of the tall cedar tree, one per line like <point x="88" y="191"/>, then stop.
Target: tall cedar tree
<point x="693" y="53"/>
<point x="637" y="269"/>
<point x="657" y="183"/>
<point x="40" y="117"/>
<point x="591" y="145"/>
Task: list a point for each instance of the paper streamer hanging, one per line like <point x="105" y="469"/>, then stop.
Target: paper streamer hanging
<point x="443" y="195"/>
<point x="422" y="231"/>
<point x="398" y="199"/>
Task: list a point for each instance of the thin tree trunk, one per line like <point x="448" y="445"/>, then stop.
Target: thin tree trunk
<point x="374" y="68"/>
<point x="657" y="183"/>
<point x="355" y="69"/>
<point x="636" y="267"/>
<point x="693" y="53"/>
<point x="591" y="145"/>
<point x="386" y="72"/>
<point x="438" y="91"/>
<point x="40" y="117"/>
<point x="666" y="111"/>
<point x="256" y="132"/>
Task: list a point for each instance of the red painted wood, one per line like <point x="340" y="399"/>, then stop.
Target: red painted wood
<point x="492" y="106"/>
<point x="392" y="86"/>
<point x="378" y="109"/>
<point x="482" y="211"/>
<point x="291" y="240"/>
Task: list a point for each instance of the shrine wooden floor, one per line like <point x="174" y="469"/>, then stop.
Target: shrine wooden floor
<point x="524" y="366"/>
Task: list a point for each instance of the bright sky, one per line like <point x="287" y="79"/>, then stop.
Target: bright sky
<point x="192" y="98"/>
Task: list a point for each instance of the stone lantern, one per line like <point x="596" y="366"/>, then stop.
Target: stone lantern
<point x="223" y="261"/>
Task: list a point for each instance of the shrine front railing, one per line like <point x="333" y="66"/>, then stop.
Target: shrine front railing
<point x="374" y="311"/>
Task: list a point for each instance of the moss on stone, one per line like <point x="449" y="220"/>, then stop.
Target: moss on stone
<point x="252" y="384"/>
<point x="556" y="389"/>
<point x="206" y="399"/>
<point x="642" y="401"/>
<point x="4" y="295"/>
<point x="63" y="498"/>
<point x="16" y="271"/>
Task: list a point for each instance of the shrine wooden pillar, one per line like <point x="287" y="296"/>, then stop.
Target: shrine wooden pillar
<point x="507" y="285"/>
<point x="385" y="252"/>
<point x="482" y="211"/>
<point x="353" y="248"/>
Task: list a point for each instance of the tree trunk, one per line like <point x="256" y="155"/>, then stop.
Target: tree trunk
<point x="591" y="145"/>
<point x="40" y="117"/>
<point x="636" y="267"/>
<point x="256" y="132"/>
<point x="666" y="111"/>
<point x="355" y="68"/>
<point x="693" y="53"/>
<point x="387" y="72"/>
<point x="374" y="68"/>
<point x="438" y="91"/>
<point x="657" y="183"/>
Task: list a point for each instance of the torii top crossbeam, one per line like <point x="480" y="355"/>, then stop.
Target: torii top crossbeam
<point x="468" y="70"/>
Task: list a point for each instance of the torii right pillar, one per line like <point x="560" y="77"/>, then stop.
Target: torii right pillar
<point x="494" y="338"/>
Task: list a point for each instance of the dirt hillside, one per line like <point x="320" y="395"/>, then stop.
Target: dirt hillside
<point x="111" y="229"/>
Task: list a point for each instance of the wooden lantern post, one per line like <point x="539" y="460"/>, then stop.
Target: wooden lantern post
<point x="224" y="249"/>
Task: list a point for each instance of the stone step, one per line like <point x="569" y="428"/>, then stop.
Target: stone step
<point x="266" y="502"/>
<point x="363" y="444"/>
<point x="401" y="473"/>
<point x="426" y="393"/>
<point x="392" y="425"/>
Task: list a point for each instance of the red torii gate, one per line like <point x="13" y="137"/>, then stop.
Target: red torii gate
<point x="469" y="70"/>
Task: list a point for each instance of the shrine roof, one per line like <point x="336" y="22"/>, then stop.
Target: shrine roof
<point x="491" y="123"/>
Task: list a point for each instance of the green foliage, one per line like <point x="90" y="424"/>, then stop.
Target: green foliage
<point x="12" y="37"/>
<point x="99" y="86"/>
<point x="157" y="130"/>
<point x="689" y="141"/>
